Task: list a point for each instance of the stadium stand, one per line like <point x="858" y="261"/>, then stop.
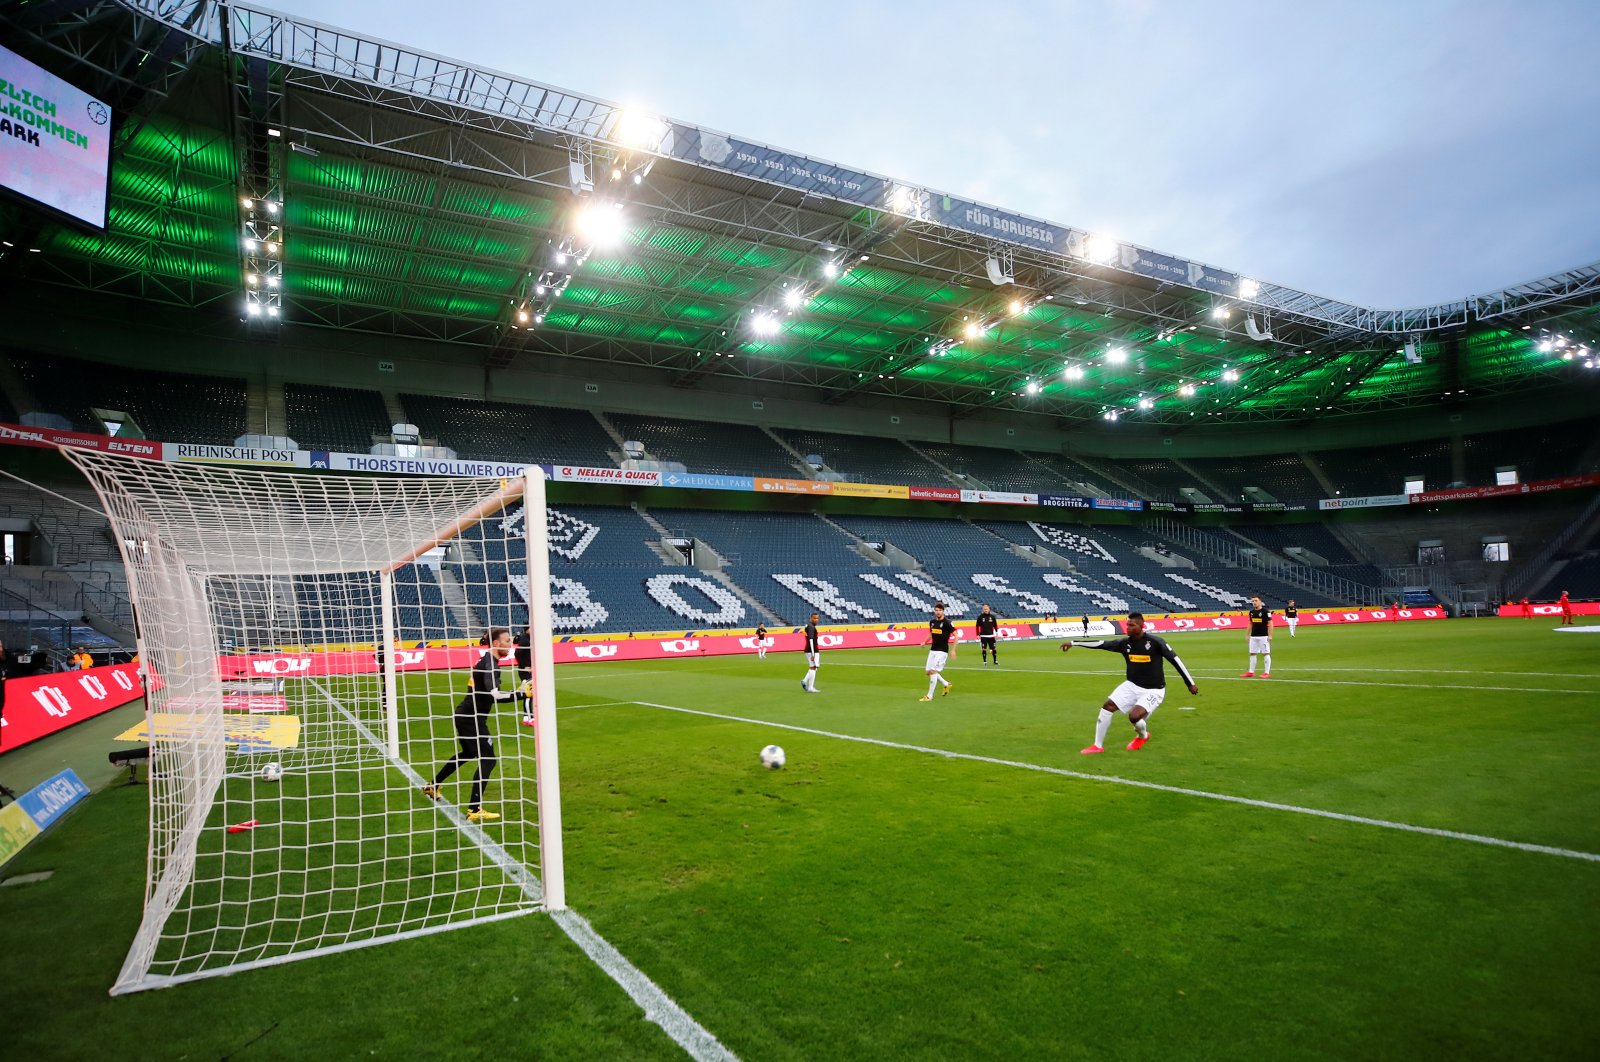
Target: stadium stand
<point x="343" y="419"/>
<point x="1080" y="478"/>
<point x="504" y="431"/>
<point x="1382" y="469"/>
<point x="1160" y="477"/>
<point x="1545" y="452"/>
<point x="993" y="468"/>
<point x="793" y="563"/>
<point x="1284" y="476"/>
<point x="708" y="446"/>
<point x="208" y="410"/>
<point x="865" y="459"/>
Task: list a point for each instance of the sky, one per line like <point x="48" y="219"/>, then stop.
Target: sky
<point x="1390" y="154"/>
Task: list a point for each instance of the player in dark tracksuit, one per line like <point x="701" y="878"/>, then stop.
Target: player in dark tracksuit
<point x="988" y="630"/>
<point x="524" y="645"/>
<point x="472" y="724"/>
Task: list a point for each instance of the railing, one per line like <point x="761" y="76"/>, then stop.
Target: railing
<point x="1305" y="576"/>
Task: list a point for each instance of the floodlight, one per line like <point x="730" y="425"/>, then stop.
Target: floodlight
<point x="764" y="324"/>
<point x="1230" y="375"/>
<point x="638" y="131"/>
<point x="1017" y="306"/>
<point x="830" y="269"/>
<point x="522" y="315"/>
<point x="902" y="199"/>
<point x="1033" y="388"/>
<point x="272" y="208"/>
<point x="253" y="279"/>
<point x="1186" y="389"/>
<point x="602" y="227"/>
<point x="1073" y="372"/>
<point x="538" y="318"/>
<point x="1117" y="355"/>
<point x="247" y="203"/>
<point x="1101" y="249"/>
<point x="272" y="282"/>
<point x="973" y="330"/>
<point x="1220" y="312"/>
<point x="1248" y="289"/>
<point x="1145" y="403"/>
<point x="791" y="298"/>
<point x="254" y="309"/>
<point x="1545" y="347"/>
<point x="250" y="245"/>
<point x="272" y="311"/>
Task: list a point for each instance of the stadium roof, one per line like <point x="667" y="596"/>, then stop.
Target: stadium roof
<point x="402" y="193"/>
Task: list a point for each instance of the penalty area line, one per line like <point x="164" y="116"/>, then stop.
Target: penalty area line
<point x="1360" y="820"/>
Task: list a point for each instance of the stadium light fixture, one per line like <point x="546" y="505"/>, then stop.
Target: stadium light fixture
<point x="1220" y="312"/>
<point x="792" y="297"/>
<point x="253" y="308"/>
<point x="1230" y="375"/>
<point x="1116" y="355"/>
<point x="1248" y="289"/>
<point x="1186" y="390"/>
<point x="764" y="324"/>
<point x="1545" y="346"/>
<point x="253" y="279"/>
<point x="1145" y="403"/>
<point x="272" y="311"/>
<point x="1073" y="372"/>
<point x="522" y="315"/>
<point x="1017" y="307"/>
<point x="601" y="224"/>
<point x="1100" y="249"/>
<point x="973" y="330"/>
<point x="638" y="130"/>
<point x="1033" y="388"/>
<point x="830" y="269"/>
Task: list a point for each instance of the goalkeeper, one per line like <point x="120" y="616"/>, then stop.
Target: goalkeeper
<point x="472" y="724"/>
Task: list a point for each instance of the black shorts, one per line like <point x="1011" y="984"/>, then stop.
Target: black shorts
<point x="987" y="641"/>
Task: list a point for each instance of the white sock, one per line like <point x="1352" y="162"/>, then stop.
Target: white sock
<point x="1101" y="726"/>
<point x="1142" y="726"/>
<point x="1268" y="669"/>
<point x="932" y="681"/>
<point x="941" y="679"/>
<point x="1252" y="666"/>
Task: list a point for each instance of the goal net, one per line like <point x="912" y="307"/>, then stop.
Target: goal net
<point x="323" y="775"/>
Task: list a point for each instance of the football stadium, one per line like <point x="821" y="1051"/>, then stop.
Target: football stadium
<point x="495" y="572"/>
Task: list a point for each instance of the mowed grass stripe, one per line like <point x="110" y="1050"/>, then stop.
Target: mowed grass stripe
<point x="1114" y="779"/>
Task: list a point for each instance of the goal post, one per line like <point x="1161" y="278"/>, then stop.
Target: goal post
<point x="322" y="777"/>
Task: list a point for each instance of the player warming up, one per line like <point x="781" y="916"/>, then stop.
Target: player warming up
<point x="988" y="635"/>
<point x="1145" y="686"/>
<point x="1260" y="637"/>
<point x="1291" y="616"/>
<point x="813" y="657"/>
<point x="472" y="724"/>
<point x="1566" y="609"/>
<point x="761" y="641"/>
<point x="939" y="650"/>
<point x="524" y="646"/>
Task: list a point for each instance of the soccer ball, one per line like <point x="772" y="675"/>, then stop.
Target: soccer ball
<point x="272" y="772"/>
<point x="772" y="757"/>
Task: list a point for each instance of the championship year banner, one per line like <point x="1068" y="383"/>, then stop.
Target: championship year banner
<point x="707" y="148"/>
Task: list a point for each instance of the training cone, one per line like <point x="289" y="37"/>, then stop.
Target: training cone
<point x="241" y="827"/>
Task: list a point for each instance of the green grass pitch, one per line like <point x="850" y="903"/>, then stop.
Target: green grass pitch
<point x="874" y="901"/>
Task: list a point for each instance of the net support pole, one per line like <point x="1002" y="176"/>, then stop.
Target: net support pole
<point x="386" y="653"/>
<point x="547" y="764"/>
